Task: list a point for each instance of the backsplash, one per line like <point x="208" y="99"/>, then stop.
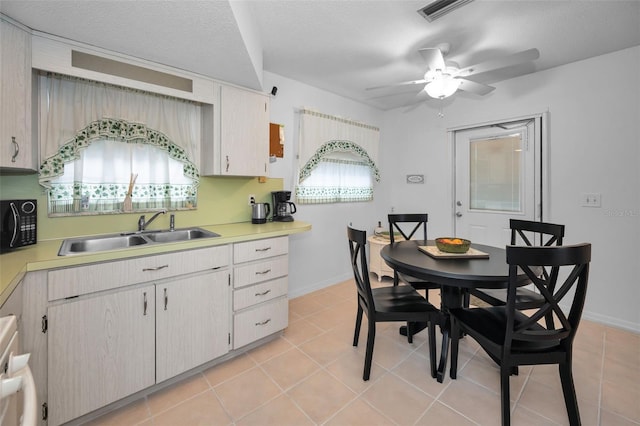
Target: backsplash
<point x="220" y="200"/>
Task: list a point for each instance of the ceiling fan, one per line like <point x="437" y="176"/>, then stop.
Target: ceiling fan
<point x="443" y="79"/>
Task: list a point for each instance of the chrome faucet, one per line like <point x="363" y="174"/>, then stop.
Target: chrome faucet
<point x="142" y="224"/>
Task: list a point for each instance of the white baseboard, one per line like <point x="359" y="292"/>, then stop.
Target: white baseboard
<point x="297" y="292"/>
<point x="611" y="321"/>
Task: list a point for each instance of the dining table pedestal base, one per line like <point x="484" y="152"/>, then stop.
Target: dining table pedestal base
<point x="455" y="277"/>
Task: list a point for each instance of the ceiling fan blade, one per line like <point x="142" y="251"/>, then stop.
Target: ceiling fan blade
<point x="473" y="87"/>
<point x="506" y="61"/>
<point x="433" y="58"/>
<point x="404" y="83"/>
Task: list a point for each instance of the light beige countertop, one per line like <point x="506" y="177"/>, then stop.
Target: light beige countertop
<point x="44" y="255"/>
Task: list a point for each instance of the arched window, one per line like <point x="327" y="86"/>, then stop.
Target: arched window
<point x="340" y="171"/>
<point x="101" y="142"/>
<point x="111" y="159"/>
<point x="337" y="160"/>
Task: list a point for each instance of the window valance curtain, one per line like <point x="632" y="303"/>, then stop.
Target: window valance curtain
<point x="325" y="137"/>
<point x="74" y="112"/>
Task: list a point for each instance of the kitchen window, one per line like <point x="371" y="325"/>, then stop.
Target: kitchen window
<point x="101" y="143"/>
<point x="337" y="160"/>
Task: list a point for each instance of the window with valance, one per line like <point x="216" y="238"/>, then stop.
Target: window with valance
<point x="337" y="159"/>
<point x="95" y="138"/>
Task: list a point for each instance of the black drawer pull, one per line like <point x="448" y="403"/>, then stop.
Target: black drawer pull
<point x="265" y="322"/>
<point x="263" y="272"/>
<point x="157" y="268"/>
<point x="264" y="293"/>
<point x="264" y="249"/>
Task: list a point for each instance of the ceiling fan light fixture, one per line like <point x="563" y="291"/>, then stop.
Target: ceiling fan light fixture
<point x="443" y="87"/>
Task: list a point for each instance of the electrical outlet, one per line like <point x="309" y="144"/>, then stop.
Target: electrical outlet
<point x="591" y="199"/>
<point x="252" y="199"/>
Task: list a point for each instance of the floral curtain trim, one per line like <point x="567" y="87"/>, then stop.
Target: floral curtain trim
<point x="335" y="194"/>
<point x="118" y="130"/>
<point x="338" y="146"/>
<point x="107" y="197"/>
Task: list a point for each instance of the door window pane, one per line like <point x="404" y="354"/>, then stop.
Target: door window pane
<point x="496" y="174"/>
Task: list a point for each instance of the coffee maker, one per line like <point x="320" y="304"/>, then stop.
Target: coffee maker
<point x="282" y="207"/>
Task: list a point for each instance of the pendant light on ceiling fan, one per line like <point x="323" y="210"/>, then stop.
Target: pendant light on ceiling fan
<point x="442" y="85"/>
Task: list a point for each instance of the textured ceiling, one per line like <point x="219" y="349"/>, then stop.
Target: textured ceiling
<point x="341" y="46"/>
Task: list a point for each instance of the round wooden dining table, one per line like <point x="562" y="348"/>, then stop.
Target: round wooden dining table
<point x="454" y="274"/>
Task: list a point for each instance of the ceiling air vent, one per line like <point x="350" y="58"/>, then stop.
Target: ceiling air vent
<point x="438" y="8"/>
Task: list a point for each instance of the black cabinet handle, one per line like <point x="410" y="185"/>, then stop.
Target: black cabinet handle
<point x="144" y="304"/>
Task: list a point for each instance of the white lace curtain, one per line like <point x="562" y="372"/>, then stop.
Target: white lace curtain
<point x="95" y="136"/>
<point x="337" y="159"/>
<point x="69" y="105"/>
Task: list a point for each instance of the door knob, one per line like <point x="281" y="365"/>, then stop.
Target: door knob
<point x="458" y="214"/>
<point x="458" y="203"/>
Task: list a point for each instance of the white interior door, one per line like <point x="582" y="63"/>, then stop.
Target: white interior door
<point x="497" y="177"/>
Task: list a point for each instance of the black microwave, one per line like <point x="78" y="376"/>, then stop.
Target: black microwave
<point x="18" y="223"/>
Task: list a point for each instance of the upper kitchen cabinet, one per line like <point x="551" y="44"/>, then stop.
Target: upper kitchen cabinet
<point x="237" y="138"/>
<point x="17" y="153"/>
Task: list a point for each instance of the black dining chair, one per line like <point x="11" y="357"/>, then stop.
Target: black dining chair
<point x="392" y="303"/>
<point x="408" y="226"/>
<point x="525" y="232"/>
<point x="512" y="338"/>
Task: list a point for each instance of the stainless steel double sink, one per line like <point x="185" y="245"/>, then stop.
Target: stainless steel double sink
<point x="126" y="240"/>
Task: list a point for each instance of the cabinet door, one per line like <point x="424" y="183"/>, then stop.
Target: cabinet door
<point x="244" y="132"/>
<point x="100" y="350"/>
<point x="16" y="149"/>
<point x="192" y="317"/>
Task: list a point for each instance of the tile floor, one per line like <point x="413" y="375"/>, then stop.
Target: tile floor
<point x="312" y="375"/>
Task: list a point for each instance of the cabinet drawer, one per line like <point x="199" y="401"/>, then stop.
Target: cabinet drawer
<point x="71" y="282"/>
<point x="260" y="249"/>
<point x="260" y="321"/>
<point x="248" y="296"/>
<point x="253" y="273"/>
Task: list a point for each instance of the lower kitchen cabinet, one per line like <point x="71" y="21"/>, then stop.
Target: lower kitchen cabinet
<point x="100" y="350"/>
<point x="117" y="328"/>
<point x="260" y="284"/>
<point x="260" y="321"/>
<point x="192" y="322"/>
<point x="104" y="331"/>
<point x="104" y="348"/>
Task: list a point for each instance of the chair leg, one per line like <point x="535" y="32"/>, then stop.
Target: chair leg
<point x="569" y="391"/>
<point x="410" y="327"/>
<point x="455" y="333"/>
<point x="356" y="334"/>
<point x="505" y="373"/>
<point x="432" y="346"/>
<point x="371" y="337"/>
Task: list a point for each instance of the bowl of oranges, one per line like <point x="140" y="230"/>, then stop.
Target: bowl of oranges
<point x="453" y="245"/>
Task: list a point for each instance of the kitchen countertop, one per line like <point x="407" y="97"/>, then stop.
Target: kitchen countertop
<point x="44" y="255"/>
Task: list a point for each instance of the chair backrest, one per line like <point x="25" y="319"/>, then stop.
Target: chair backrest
<point x="571" y="263"/>
<point x="415" y="220"/>
<point x="549" y="233"/>
<point x="357" y="244"/>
